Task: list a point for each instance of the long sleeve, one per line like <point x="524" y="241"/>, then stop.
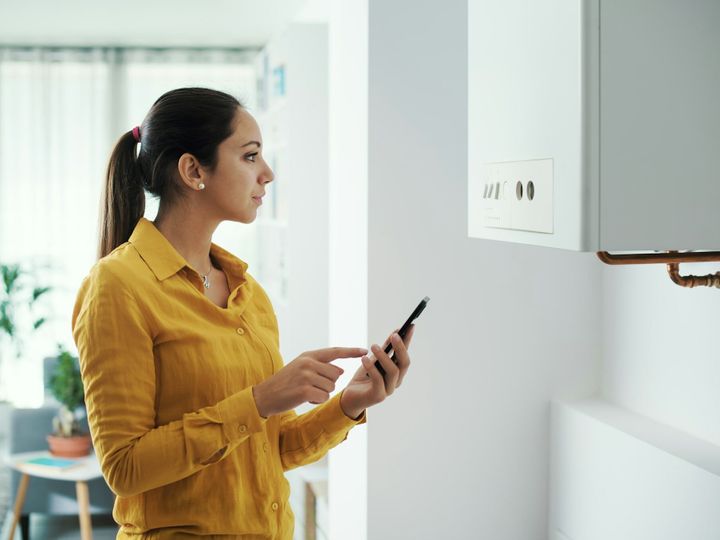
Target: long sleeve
<point x="308" y="437"/>
<point x="115" y="345"/>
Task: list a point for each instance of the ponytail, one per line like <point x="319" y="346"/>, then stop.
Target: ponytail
<point x="185" y="120"/>
<point x="123" y="201"/>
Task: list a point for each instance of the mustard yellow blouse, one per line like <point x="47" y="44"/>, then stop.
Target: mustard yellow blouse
<point x="168" y="380"/>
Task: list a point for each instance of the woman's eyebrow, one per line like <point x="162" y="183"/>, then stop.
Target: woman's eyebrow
<point x="251" y="142"/>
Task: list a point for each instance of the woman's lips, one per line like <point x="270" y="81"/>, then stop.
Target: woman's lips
<point x="258" y="200"/>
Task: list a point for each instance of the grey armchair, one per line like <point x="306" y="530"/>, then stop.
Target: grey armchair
<point x="27" y="431"/>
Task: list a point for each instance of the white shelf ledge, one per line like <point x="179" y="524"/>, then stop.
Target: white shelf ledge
<point x="617" y="474"/>
<point x="685" y="446"/>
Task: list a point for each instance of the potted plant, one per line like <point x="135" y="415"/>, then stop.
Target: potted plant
<point x="65" y="384"/>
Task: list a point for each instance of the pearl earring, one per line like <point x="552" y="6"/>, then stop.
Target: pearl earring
<point x="201" y="186"/>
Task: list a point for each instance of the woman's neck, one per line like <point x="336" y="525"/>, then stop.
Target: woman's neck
<point x="190" y="234"/>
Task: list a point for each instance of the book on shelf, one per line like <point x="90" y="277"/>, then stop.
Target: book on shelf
<point x="51" y="464"/>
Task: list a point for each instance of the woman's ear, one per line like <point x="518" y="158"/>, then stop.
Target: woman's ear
<point x="191" y="172"/>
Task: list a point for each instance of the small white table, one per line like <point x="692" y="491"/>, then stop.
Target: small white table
<point x="89" y="469"/>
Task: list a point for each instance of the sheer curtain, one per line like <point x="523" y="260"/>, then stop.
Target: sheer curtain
<point x="54" y="138"/>
<point x="61" y="111"/>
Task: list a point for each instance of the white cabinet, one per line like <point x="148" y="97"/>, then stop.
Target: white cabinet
<point x="609" y="110"/>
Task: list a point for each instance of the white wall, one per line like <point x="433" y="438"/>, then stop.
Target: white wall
<point x="306" y="187"/>
<point x="348" y="249"/>
<point x="643" y="463"/>
<point x="461" y="451"/>
<point x="661" y="347"/>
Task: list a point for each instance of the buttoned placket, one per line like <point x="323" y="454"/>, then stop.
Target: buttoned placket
<point x="265" y="444"/>
<point x="251" y="331"/>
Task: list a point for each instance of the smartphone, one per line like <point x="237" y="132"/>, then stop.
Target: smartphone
<point x="403" y="330"/>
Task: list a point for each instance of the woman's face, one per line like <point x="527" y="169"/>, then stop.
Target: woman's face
<point x="236" y="187"/>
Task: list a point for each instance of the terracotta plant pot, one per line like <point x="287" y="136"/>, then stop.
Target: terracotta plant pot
<point x="70" y="447"/>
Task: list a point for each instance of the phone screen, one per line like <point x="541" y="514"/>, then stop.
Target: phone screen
<point x="403" y="331"/>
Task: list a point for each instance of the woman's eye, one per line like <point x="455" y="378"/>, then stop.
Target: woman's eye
<point x="251" y="157"/>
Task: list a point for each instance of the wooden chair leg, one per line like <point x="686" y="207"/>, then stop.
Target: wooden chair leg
<point x="19" y="502"/>
<point x="83" y="499"/>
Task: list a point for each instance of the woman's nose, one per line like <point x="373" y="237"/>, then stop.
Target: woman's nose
<point x="269" y="176"/>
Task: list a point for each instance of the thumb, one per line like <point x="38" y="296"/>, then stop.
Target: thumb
<point x="372" y="371"/>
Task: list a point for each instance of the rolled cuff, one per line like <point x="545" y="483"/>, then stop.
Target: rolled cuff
<point x="240" y="416"/>
<point x="333" y="419"/>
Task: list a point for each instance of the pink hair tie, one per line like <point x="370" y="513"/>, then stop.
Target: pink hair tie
<point x="136" y="133"/>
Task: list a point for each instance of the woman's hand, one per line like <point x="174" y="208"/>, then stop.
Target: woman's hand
<point x="368" y="386"/>
<point x="310" y="377"/>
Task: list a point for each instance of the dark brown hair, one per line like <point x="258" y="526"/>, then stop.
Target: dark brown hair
<point x="186" y="120"/>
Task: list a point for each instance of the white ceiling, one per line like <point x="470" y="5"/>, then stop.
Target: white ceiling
<point x="203" y="23"/>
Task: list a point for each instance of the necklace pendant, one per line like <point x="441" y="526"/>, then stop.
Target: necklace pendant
<point x="206" y="281"/>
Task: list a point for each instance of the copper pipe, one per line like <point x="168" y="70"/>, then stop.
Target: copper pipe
<point x="657" y="258"/>
<point x="673" y="260"/>
<point x="708" y="280"/>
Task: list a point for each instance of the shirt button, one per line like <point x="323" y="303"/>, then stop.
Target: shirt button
<point x="243" y="428"/>
<point x="240" y="331"/>
<point x="274" y="506"/>
<point x="265" y="447"/>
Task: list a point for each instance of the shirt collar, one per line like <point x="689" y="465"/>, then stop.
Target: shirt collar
<point x="164" y="260"/>
<point x="234" y="267"/>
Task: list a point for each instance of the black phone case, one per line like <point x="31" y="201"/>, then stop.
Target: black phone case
<point x="403" y="331"/>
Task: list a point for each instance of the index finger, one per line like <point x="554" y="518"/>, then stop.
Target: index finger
<point x="333" y="353"/>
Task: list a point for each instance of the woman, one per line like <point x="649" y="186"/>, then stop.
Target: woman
<point x="189" y="402"/>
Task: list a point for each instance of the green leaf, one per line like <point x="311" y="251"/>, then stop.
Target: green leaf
<point x="38" y="292"/>
<point x="10" y="274"/>
<point x="6" y="322"/>
<point x="7" y="326"/>
<point x="37" y="324"/>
